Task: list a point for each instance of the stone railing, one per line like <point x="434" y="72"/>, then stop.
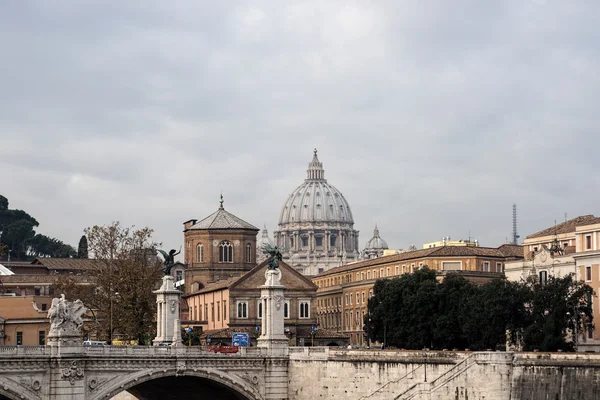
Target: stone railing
<point x="16" y="350"/>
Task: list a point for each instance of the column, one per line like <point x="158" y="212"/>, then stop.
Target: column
<point x="167" y="319"/>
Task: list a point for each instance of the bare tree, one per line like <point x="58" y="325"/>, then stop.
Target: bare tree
<point x="124" y="272"/>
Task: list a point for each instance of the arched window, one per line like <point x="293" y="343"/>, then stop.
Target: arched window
<point x="242" y="309"/>
<point x="200" y="253"/>
<point x="248" y="253"/>
<point x="286" y="309"/>
<point x="225" y="252"/>
<point x="304" y="307"/>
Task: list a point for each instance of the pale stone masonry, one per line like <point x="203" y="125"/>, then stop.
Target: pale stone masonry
<point x="168" y="325"/>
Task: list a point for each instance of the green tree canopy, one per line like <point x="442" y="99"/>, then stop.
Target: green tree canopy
<point x="415" y="311"/>
<point x="18" y="236"/>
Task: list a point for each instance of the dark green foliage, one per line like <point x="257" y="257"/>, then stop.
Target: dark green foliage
<point x="82" y="249"/>
<point x="555" y="306"/>
<point x="415" y="311"/>
<point x="18" y="236"/>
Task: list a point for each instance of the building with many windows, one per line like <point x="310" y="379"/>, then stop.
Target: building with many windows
<point x="343" y="294"/>
<point x="316" y="226"/>
<point x="571" y="247"/>
<point x="223" y="285"/>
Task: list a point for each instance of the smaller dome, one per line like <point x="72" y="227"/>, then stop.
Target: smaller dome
<point x="260" y="244"/>
<point x="375" y="246"/>
<point x="376" y="243"/>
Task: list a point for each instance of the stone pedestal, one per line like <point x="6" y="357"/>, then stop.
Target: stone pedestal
<point x="273" y="336"/>
<point x="168" y="325"/>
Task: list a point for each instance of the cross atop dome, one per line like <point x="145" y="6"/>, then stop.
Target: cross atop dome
<point x="315" y="170"/>
<point x="221" y="202"/>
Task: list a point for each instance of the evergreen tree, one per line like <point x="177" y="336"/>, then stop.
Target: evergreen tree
<point x="82" y="249"/>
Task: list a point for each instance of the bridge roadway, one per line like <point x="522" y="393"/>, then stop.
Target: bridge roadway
<point x="101" y="372"/>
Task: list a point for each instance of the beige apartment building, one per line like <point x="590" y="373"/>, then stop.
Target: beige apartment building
<point x="571" y="247"/>
<point x="343" y="292"/>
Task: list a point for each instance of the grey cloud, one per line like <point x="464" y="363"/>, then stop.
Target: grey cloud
<point x="431" y="118"/>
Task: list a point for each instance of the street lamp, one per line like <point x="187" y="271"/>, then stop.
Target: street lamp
<point x="111" y="315"/>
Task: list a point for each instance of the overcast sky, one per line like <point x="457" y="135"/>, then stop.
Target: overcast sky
<point x="431" y="117"/>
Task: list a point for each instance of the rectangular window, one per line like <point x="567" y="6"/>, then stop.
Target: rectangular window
<point x="347" y="299"/>
<point x="286" y="309"/>
<point x="363" y="297"/>
<point x="259" y="308"/>
<point x="368" y="274"/>
<point x="304" y="309"/>
<point x="19" y="338"/>
<point x="588" y="242"/>
<point x="498" y="267"/>
<point x="396" y="270"/>
<point x="357" y="298"/>
<point x="304" y="241"/>
<point x="451" y="265"/>
<point x="319" y="241"/>
<point x="44" y="306"/>
<point x="588" y="273"/>
<point x="357" y="319"/>
<point x="485" y="266"/>
<point x="206" y="311"/>
<point x="218" y="310"/>
<point x="42" y="338"/>
<point x="543" y="277"/>
<point x="36" y="291"/>
<point x="242" y="309"/>
<point x="212" y="312"/>
<point x="362" y="276"/>
<point x="404" y="269"/>
<point x="332" y="241"/>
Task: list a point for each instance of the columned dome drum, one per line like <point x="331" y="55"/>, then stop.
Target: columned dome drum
<point x="316" y="226"/>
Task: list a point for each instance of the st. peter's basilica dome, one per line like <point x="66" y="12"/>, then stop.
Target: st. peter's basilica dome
<point x="316" y="226"/>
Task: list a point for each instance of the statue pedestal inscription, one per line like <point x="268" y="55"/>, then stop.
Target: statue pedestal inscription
<point x="168" y="324"/>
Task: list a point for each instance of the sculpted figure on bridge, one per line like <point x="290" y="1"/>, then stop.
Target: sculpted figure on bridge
<point x="169" y="260"/>
<point x="275" y="253"/>
<point x="66" y="316"/>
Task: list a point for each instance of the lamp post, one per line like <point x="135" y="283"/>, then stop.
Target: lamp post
<point x="111" y="315"/>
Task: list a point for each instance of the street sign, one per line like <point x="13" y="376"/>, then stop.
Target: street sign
<point x="239" y="339"/>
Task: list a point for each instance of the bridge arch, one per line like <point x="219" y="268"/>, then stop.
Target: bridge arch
<point x="12" y="390"/>
<point x="236" y="385"/>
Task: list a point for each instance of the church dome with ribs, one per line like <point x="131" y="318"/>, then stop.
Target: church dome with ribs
<point x="316" y="200"/>
<point x="316" y="224"/>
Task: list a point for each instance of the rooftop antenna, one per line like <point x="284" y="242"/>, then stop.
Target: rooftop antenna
<point x="515" y="235"/>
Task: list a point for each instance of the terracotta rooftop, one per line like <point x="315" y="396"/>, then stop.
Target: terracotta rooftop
<point x="65" y="263"/>
<point x="567" y="226"/>
<point x="222" y="219"/>
<point x="511" y="250"/>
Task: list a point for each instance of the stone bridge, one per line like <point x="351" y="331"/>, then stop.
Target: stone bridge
<point x="299" y="373"/>
<point x="101" y="372"/>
